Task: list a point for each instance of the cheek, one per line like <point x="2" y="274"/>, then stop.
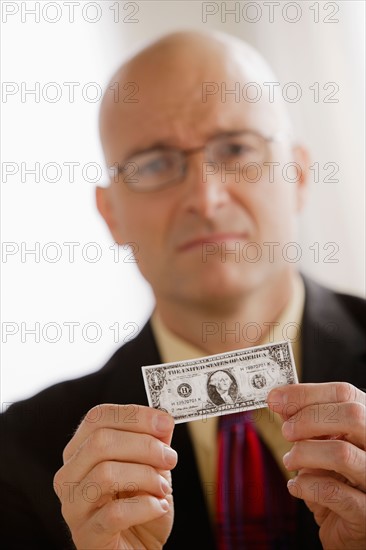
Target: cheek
<point x="144" y="221"/>
<point x="271" y="206"/>
<point x="133" y="215"/>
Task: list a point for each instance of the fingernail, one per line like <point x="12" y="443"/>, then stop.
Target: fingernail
<point x="287" y="428"/>
<point x="170" y="456"/>
<point x="162" y="422"/>
<point x="294" y="488"/>
<point x="165" y="487"/>
<point x="278" y="397"/>
<point x="164" y="504"/>
<point x="291" y="484"/>
<point x="286" y="458"/>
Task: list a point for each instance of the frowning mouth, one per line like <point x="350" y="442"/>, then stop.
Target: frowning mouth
<point x="214" y="238"/>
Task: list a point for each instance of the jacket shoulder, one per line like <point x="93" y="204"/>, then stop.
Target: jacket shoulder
<point x="323" y="300"/>
<point x="333" y="336"/>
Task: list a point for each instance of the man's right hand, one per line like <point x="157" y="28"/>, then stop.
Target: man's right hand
<point x="115" y="484"/>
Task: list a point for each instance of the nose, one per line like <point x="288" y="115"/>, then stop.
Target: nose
<point x="205" y="190"/>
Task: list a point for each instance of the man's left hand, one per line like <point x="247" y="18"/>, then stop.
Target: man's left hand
<point x="327" y="423"/>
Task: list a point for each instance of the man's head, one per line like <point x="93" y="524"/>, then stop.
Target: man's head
<point x="221" y="380"/>
<point x="200" y="241"/>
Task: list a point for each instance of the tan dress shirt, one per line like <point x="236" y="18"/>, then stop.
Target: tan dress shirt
<point x="203" y="432"/>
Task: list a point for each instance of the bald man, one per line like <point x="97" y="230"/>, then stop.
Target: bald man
<point x="185" y="188"/>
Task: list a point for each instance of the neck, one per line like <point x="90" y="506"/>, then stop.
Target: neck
<point x="216" y="330"/>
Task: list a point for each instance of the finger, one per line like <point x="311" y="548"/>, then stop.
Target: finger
<point x="107" y="444"/>
<point x="334" y="455"/>
<point x="129" y="418"/>
<point x="120" y="515"/>
<point x="319" y="511"/>
<point x="286" y="399"/>
<point x="111" y="480"/>
<point x="345" y="501"/>
<point x="332" y="419"/>
<point x="321" y="473"/>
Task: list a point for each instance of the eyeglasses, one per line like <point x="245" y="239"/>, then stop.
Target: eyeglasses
<point x="159" y="168"/>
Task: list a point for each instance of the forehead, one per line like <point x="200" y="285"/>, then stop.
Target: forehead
<point x="181" y="102"/>
<point x="219" y="375"/>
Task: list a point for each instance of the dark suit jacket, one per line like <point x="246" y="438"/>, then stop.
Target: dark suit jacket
<point x="35" y="431"/>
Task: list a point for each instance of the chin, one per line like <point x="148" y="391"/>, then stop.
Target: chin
<point x="219" y="289"/>
<point x="215" y="285"/>
<point x="231" y="278"/>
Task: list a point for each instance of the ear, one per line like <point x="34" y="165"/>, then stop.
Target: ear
<point x="302" y="157"/>
<point x="104" y="202"/>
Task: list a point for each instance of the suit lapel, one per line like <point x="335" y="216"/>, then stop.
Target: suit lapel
<point x="124" y="378"/>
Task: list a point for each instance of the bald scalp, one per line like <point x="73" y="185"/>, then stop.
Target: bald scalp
<point x="190" y="57"/>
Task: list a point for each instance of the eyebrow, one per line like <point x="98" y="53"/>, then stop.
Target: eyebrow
<point x="152" y="147"/>
<point x="167" y="145"/>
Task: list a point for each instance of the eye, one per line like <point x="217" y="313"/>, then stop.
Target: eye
<point x="154" y="166"/>
<point x="234" y="149"/>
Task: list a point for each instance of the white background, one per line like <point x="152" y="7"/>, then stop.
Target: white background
<point x="106" y="293"/>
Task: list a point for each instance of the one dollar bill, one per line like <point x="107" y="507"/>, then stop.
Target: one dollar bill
<point x="219" y="384"/>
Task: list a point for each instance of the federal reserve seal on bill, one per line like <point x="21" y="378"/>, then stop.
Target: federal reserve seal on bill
<point x="219" y="384"/>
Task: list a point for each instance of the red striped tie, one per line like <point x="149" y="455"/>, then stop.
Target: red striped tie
<point x="254" y="508"/>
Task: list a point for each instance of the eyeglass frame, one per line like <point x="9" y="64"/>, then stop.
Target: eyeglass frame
<point x="115" y="171"/>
